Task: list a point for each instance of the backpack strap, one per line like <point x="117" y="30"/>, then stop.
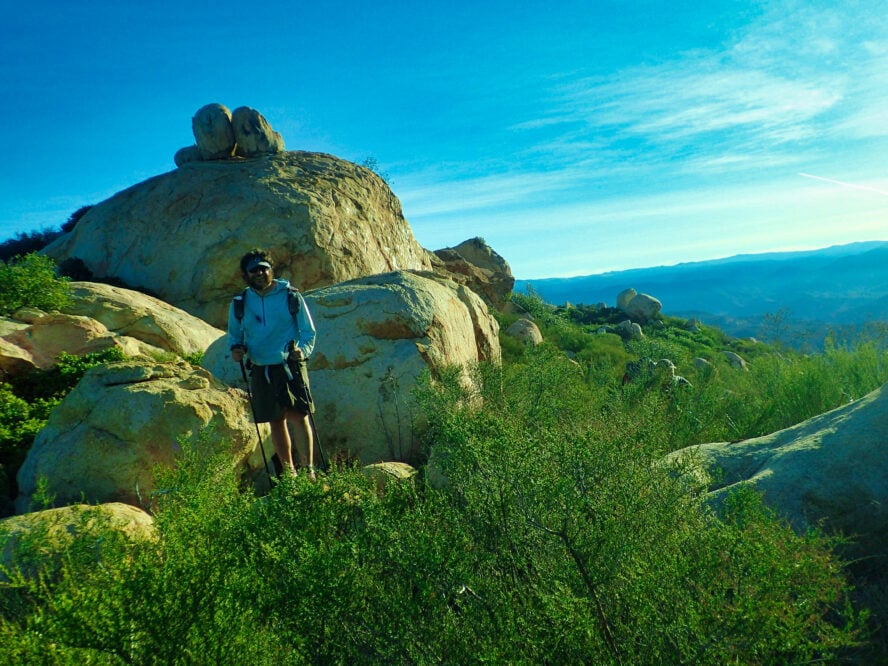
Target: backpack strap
<point x="238" y="302"/>
<point x="292" y="304"/>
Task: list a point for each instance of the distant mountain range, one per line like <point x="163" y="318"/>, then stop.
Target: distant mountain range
<point x="800" y="295"/>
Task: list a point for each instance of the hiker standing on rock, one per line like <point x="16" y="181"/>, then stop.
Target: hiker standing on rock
<point x="269" y="325"/>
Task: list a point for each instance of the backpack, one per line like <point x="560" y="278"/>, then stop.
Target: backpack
<point x="292" y="304"/>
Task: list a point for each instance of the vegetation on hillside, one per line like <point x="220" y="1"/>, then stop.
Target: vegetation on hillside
<point x="780" y="387"/>
<point x="24" y="243"/>
<point x="556" y="540"/>
<point x="558" y="537"/>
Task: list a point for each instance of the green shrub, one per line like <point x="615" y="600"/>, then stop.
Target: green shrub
<point x="604" y="357"/>
<point x="195" y="358"/>
<point x="27" y="401"/>
<point x="17" y="421"/>
<point x="152" y="602"/>
<point x="56" y="382"/>
<point x="585" y="550"/>
<point x="31" y="281"/>
<point x="19" y="424"/>
<point x="780" y="388"/>
<point x="559" y="537"/>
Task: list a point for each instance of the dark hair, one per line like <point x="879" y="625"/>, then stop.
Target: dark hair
<point x="255" y="253"/>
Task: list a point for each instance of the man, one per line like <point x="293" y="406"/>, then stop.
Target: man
<point x="272" y="325"/>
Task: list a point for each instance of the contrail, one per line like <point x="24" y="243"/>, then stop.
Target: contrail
<point x="844" y="184"/>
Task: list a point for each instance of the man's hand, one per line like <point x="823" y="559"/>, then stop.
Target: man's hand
<point x="295" y="354"/>
<point x="237" y="353"/>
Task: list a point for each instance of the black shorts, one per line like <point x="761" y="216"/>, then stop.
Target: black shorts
<point x="273" y="391"/>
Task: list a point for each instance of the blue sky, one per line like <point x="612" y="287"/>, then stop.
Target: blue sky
<point x="575" y="137"/>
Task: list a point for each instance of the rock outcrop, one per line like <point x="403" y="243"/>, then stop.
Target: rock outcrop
<point x="642" y="308"/>
<point x="180" y="235"/>
<point x="213" y="132"/>
<point x="828" y="471"/>
<point x="103" y="440"/>
<point x="653" y="374"/>
<point x="624" y="298"/>
<point x="376" y="335"/>
<point x="630" y="330"/>
<point x="98" y="317"/>
<point x="253" y="136"/>
<point x="475" y="264"/>
<point x="387" y="473"/>
<point x="36" y="339"/>
<point x="147" y="319"/>
<point x="736" y="361"/>
<point x="220" y="135"/>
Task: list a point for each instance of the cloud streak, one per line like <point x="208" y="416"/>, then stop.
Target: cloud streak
<point x="784" y="88"/>
<point x="854" y="186"/>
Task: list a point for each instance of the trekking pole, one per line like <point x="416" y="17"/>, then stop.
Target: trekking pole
<point x="253" y="411"/>
<point x="325" y="463"/>
<point x="303" y="370"/>
<point x="302" y="366"/>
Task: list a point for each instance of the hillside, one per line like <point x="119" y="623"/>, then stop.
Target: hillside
<point x="805" y="293"/>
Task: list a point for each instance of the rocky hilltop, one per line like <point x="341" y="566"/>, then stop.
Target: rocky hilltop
<point x="179" y="235"/>
<point x="386" y="308"/>
<point x="326" y="220"/>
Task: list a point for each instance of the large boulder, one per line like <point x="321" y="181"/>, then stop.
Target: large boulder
<point x="526" y="331"/>
<point x="213" y="132"/>
<point x="376" y="336"/>
<point x="134" y="314"/>
<point x="829" y="471"/>
<point x="643" y="308"/>
<point x="41" y="337"/>
<point x="630" y="330"/>
<point x="99" y="316"/>
<point x="186" y="155"/>
<point x="736" y="360"/>
<point x="387" y="473"/>
<point x="253" y="135"/>
<point x="180" y="235"/>
<point x="121" y="420"/>
<point x="475" y="264"/>
<point x="625" y="297"/>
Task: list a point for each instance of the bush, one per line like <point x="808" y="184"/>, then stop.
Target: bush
<point x="555" y="542"/>
<point x="586" y="550"/>
<point x="780" y="389"/>
<point x="31" y="281"/>
<point x="19" y="424"/>
<point x="559" y="537"/>
<point x="56" y="382"/>
<point x="27" y="401"/>
<point x="74" y="218"/>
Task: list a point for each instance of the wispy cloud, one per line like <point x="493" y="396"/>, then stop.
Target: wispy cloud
<point x="792" y="80"/>
<point x="842" y="183"/>
<point x="701" y="151"/>
<point x="422" y="195"/>
<point x="682" y="102"/>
